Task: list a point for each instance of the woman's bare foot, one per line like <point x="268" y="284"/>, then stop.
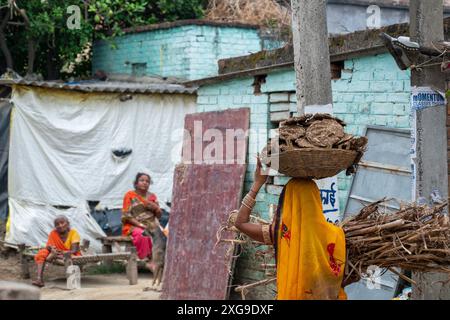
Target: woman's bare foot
<point x="38" y="283"/>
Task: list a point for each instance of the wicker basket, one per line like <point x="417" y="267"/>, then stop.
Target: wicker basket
<point x="312" y="163"/>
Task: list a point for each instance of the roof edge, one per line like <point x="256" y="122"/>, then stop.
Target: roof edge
<point x="380" y="3"/>
<point x="188" y="22"/>
<point x="144" y="88"/>
<point x="342" y="47"/>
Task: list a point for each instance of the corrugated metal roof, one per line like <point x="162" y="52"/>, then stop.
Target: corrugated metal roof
<point x="106" y="86"/>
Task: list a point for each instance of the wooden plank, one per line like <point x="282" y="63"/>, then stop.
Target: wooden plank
<point x="205" y="130"/>
<point x="203" y="196"/>
<point x="132" y="272"/>
<point x="386" y="167"/>
<point x="115" y="239"/>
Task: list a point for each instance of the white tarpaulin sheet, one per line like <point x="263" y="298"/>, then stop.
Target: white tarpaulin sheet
<point x="31" y="223"/>
<point x="62" y="145"/>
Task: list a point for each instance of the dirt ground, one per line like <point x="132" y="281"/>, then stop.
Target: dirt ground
<point x="93" y="287"/>
<point x="101" y="287"/>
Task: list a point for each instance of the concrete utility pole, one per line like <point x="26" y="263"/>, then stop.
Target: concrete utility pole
<point x="426" y="28"/>
<point x="311" y="52"/>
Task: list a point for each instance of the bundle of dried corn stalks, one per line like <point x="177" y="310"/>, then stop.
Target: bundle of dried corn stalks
<point x="415" y="238"/>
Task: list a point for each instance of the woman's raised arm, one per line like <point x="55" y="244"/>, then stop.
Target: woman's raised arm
<point x="258" y="232"/>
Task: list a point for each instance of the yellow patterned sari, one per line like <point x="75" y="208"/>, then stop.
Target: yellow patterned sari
<point x="310" y="252"/>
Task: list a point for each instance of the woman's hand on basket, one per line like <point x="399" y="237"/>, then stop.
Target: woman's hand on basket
<point x="260" y="175"/>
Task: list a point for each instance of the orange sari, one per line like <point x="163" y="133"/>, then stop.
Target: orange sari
<point x="54" y="240"/>
<point x="129" y="196"/>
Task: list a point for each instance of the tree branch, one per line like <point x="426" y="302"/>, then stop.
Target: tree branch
<point x="32" y="43"/>
<point x="5" y="20"/>
<point x="32" y="46"/>
<point x="23" y="13"/>
<point x="16" y="23"/>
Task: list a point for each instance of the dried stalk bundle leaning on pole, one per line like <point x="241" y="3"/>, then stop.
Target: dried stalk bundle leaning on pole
<point x="415" y="238"/>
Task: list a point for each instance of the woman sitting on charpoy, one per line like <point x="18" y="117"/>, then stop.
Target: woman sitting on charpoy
<point x="60" y="240"/>
<point x="138" y="206"/>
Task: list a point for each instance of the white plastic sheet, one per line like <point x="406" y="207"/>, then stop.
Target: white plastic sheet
<point x="62" y="143"/>
<point x="31" y="223"/>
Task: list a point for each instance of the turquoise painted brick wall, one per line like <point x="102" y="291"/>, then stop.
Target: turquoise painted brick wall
<point x="189" y="52"/>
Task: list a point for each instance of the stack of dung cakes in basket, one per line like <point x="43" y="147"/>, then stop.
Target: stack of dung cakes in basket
<point x="314" y="146"/>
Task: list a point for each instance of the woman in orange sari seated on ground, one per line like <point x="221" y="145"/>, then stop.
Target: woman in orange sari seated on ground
<point x="310" y="253"/>
<point x="60" y="240"/>
<point x="132" y="226"/>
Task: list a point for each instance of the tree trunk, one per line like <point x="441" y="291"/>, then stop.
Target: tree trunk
<point x="5" y="51"/>
<point x="53" y="66"/>
<point x="31" y="56"/>
<point x="3" y="43"/>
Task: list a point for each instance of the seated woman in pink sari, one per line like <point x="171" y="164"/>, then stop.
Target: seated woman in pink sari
<point x="145" y="203"/>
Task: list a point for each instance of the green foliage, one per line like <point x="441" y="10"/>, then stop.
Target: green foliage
<point x="58" y="46"/>
<point x="171" y="10"/>
<point x="109" y="17"/>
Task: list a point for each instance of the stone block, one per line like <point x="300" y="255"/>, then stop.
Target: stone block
<point x="18" y="291"/>
<point x="359" y="86"/>
<point x="346" y="74"/>
<point x="340" y="108"/>
<point x="381" y="108"/>
<point x="212" y="99"/>
<point x="279" y="97"/>
<point x="276" y="107"/>
<point x="202" y="99"/>
<point x="340" y="85"/>
<point x="403" y="122"/>
<point x="237" y="99"/>
<point x="381" y="86"/>
<point x="279" y="116"/>
<point x="399" y="110"/>
<point x="399" y="97"/>
<point x="262" y="98"/>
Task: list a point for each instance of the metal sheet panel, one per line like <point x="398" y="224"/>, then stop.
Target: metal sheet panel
<point x="385" y="171"/>
<point x="203" y="196"/>
<point x="106" y="86"/>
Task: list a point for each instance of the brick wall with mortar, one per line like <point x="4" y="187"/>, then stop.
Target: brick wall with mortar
<point x="371" y="91"/>
<point x="189" y="51"/>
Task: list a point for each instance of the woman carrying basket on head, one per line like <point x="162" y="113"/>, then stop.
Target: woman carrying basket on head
<point x="139" y="205"/>
<point x="310" y="252"/>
